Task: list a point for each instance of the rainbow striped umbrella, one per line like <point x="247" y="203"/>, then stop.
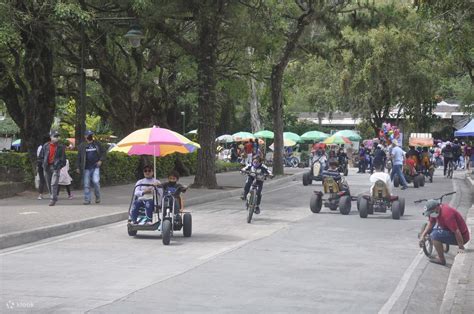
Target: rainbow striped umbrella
<point x="156" y="142"/>
<point x="337" y="139"/>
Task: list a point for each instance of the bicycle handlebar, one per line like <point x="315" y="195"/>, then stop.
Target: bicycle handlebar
<point x="438" y="198"/>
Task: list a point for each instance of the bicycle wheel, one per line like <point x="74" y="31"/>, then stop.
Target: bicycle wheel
<point x="250" y="206"/>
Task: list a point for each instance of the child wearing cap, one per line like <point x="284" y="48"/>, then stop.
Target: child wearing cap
<point x="144" y="195"/>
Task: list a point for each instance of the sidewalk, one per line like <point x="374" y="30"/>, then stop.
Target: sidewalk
<point x="24" y="219"/>
<point x="459" y="294"/>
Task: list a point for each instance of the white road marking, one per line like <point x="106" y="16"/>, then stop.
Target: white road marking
<point x="387" y="307"/>
<point x="27" y="213"/>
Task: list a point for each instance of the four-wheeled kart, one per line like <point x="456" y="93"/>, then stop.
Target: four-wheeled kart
<point x="314" y="174"/>
<point x="411" y="176"/>
<point x="338" y="195"/>
<point x="380" y="201"/>
<point x="169" y="217"/>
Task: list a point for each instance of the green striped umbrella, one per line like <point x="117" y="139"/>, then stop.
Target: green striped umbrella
<point x="352" y="135"/>
<point x="264" y="134"/>
<point x="315" y="136"/>
<point x="292" y="136"/>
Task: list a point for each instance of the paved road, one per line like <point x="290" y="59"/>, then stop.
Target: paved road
<point x="287" y="260"/>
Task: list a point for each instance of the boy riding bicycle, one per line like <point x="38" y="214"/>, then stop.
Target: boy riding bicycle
<point x="253" y="167"/>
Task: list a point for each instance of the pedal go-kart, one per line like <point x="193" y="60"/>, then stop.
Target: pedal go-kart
<point x="169" y="219"/>
<point x="314" y="174"/>
<point x="412" y="175"/>
<point x="380" y="201"/>
<point x="337" y="197"/>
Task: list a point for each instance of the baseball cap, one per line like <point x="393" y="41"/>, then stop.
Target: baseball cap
<point x="429" y="207"/>
<point x="395" y="142"/>
<point x="89" y="132"/>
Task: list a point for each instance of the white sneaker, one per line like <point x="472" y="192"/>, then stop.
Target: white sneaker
<point x="40" y="197"/>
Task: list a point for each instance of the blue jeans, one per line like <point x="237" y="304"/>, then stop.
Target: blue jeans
<point x="94" y="176"/>
<point x="148" y="204"/>
<point x="397" y="170"/>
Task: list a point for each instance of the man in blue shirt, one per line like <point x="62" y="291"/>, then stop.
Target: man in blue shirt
<point x="397" y="162"/>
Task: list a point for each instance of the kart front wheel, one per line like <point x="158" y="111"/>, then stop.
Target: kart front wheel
<point x="316" y="203"/>
<point x="345" y="205"/>
<point x="396" y="210"/>
<point x="187" y="225"/>
<point x="166" y="232"/>
<point x="363" y="207"/>
<point x="131" y="232"/>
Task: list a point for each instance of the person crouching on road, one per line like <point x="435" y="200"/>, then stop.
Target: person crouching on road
<point x="54" y="158"/>
<point x="144" y="196"/>
<point x="451" y="228"/>
<point x="253" y="167"/>
<point x="90" y="156"/>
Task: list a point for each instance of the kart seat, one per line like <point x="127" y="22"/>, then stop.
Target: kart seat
<point x="330" y="185"/>
<point x="380" y="190"/>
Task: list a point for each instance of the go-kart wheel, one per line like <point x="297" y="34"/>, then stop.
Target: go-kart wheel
<point x="422" y="180"/>
<point x="358" y="201"/>
<point x="402" y="206"/>
<point x="166" y="231"/>
<point x="306" y="178"/>
<point x="187" y="225"/>
<point x="363" y="207"/>
<point x="316" y="203"/>
<point x="131" y="232"/>
<point x="345" y="205"/>
<point x="426" y="245"/>
<point x="396" y="210"/>
<point x="416" y="182"/>
<point x="396" y="181"/>
<point x="333" y="205"/>
<point x="370" y="208"/>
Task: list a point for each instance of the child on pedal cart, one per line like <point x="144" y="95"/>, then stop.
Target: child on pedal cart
<point x="253" y="167"/>
<point x="175" y="188"/>
<point x="144" y="196"/>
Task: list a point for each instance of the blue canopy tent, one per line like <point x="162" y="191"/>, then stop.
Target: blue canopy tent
<point x="467" y="130"/>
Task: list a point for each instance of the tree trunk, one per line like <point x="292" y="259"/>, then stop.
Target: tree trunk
<point x="277" y="105"/>
<point x="276" y="85"/>
<point x="32" y="104"/>
<point x="255" y="121"/>
<point x="207" y="61"/>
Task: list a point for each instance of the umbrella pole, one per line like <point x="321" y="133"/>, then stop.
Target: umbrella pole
<point x="154" y="161"/>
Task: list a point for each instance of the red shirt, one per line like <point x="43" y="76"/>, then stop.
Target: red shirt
<point x="450" y="219"/>
<point x="249" y="148"/>
<point x="52" y="152"/>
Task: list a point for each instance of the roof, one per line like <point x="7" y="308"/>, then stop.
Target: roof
<point x="8" y="126"/>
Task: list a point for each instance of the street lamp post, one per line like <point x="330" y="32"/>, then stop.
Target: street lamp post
<point x="184" y="121"/>
<point x="134" y="36"/>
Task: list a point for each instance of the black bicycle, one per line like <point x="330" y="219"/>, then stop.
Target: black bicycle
<point x="427" y="244"/>
<point x="251" y="201"/>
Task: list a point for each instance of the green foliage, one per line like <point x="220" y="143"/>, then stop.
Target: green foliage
<point x="224" y="166"/>
<point x="20" y="163"/>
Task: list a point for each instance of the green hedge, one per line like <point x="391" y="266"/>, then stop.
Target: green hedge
<point x="118" y="168"/>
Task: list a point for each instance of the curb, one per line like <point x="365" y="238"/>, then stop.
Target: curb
<point x="23" y="237"/>
<point x="456" y="275"/>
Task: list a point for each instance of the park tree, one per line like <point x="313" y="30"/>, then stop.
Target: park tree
<point x="27" y="86"/>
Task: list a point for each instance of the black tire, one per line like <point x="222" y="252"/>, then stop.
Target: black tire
<point x="426" y="245"/>
<point x="306" y="178"/>
<point x="131" y="232"/>
<point x="316" y="203"/>
<point x="345" y="205"/>
<point x="187" y="225"/>
<point x="363" y="207"/>
<point x="333" y="205"/>
<point x="402" y="206"/>
<point x="370" y="208"/>
<point x="294" y="162"/>
<point x="422" y="180"/>
<point x="396" y="181"/>
<point x="250" y="208"/>
<point x="416" y="182"/>
<point x="358" y="201"/>
<point x="166" y="231"/>
<point x="396" y="210"/>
